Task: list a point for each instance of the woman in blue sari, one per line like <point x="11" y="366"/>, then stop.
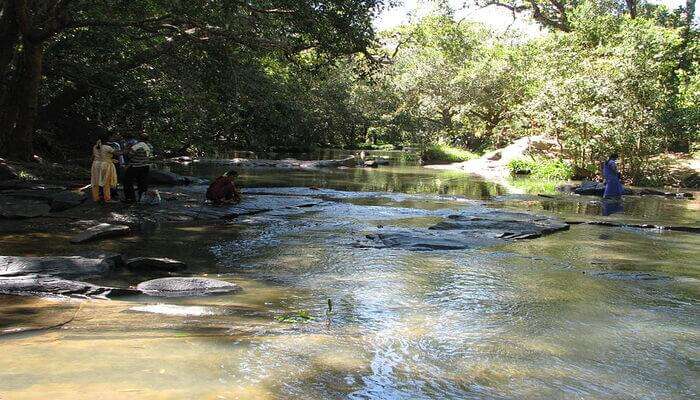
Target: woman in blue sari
<point x="613" y="186"/>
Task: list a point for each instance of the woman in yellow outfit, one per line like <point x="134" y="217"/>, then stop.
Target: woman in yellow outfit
<point x="104" y="174"/>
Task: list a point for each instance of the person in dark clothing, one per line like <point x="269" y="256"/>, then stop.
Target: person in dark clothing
<point x="613" y="186"/>
<point x="137" y="169"/>
<point x="223" y="189"/>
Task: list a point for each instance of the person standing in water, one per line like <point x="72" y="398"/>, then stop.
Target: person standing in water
<point x="613" y="186"/>
<point x="103" y="173"/>
<point x="138" y="166"/>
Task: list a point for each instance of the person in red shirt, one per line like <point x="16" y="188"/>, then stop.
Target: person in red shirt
<point x="223" y="190"/>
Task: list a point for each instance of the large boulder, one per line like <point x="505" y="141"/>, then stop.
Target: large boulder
<point x="147" y="264"/>
<point x="64" y="266"/>
<point x="186" y="287"/>
<point x="32" y="285"/>
<point x="101" y="231"/>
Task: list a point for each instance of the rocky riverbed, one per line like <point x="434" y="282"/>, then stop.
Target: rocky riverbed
<point x="474" y="226"/>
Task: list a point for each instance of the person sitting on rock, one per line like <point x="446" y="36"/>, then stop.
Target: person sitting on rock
<point x="223" y="189"/>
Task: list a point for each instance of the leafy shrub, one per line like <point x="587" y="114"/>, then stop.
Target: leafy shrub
<point x="541" y="168"/>
<point x="445" y="153"/>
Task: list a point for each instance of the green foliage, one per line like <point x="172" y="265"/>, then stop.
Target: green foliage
<point x="541" y="168"/>
<point x="445" y="153"/>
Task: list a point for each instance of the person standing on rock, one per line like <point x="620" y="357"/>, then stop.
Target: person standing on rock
<point x="613" y="186"/>
<point x="137" y="168"/>
<point x="103" y="173"/>
<point x="224" y="190"/>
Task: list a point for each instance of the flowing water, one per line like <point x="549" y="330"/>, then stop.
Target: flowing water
<point x="594" y="312"/>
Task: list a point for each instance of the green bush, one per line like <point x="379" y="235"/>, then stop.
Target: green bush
<point x="445" y="153"/>
<point x="541" y="168"/>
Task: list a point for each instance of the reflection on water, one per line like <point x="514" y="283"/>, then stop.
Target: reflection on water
<point x="594" y="312"/>
<point x="612" y="206"/>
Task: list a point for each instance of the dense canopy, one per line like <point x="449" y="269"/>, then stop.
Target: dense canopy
<point x="208" y="77"/>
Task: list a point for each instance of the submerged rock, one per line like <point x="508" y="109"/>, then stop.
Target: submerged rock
<point x="32" y="285"/>
<point x="101" y="231"/>
<point x="627" y="276"/>
<point x="65" y="266"/>
<point x="186" y="287"/>
<point x="145" y="264"/>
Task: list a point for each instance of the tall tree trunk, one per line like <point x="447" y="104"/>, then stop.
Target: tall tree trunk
<point x="26" y="94"/>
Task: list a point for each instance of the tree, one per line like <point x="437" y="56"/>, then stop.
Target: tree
<point x="283" y="27"/>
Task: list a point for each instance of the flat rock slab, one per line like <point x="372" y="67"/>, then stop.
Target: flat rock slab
<point x="186" y="287"/>
<point x="64" y="266"/>
<point x="145" y="264"/>
<point x="101" y="231"/>
<point x="33" y="285"/>
<point x="502" y="225"/>
<point x="18" y="208"/>
<point x="424" y="240"/>
<point x="466" y="231"/>
<point x="57" y="198"/>
<point x="65" y="200"/>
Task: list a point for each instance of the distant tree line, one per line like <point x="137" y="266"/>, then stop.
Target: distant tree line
<point x="203" y="77"/>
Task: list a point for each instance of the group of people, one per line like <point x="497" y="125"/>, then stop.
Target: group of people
<point x="129" y="162"/>
<point x="120" y="161"/>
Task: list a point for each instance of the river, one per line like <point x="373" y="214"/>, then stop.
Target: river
<point x="595" y="312"/>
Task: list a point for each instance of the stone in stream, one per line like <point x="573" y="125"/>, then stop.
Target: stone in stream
<point x="65" y="266"/>
<point x="146" y="264"/>
<point x="32" y="285"/>
<point x="101" y="231"/>
<point x="502" y="225"/>
<point x="469" y="231"/>
<point x="424" y="240"/>
<point x="65" y="200"/>
<point x="17" y="208"/>
<point x="157" y="177"/>
<point x="186" y="287"/>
